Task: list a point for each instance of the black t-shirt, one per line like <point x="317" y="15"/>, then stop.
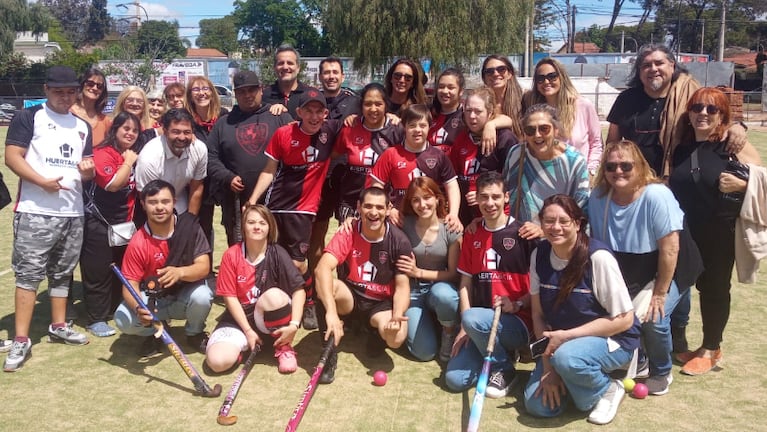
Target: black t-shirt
<point x="700" y="200"/>
<point x="638" y="117"/>
<point x="343" y="105"/>
<point x="273" y="95"/>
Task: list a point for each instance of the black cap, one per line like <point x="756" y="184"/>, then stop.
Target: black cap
<point x="61" y="76"/>
<point x="246" y="79"/>
<point x="312" y="95"/>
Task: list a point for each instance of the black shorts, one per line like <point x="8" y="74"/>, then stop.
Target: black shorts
<point x="295" y="230"/>
<point x="330" y="195"/>
<point x="366" y="308"/>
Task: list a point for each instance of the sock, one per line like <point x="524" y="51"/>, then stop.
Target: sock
<point x="309" y="287"/>
<point x="21" y="339"/>
<point x="56" y="326"/>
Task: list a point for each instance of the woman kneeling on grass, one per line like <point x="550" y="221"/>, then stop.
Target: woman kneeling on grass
<point x="263" y="293"/>
<point x="581" y="303"/>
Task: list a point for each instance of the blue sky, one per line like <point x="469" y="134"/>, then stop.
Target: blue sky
<point x="190" y="12"/>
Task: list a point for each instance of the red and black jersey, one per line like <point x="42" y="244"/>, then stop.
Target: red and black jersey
<point x="237" y="276"/>
<point x="445" y="130"/>
<point x="362" y="148"/>
<point x="498" y="263"/>
<point x="469" y="162"/>
<point x="116" y="207"/>
<point x="369" y="267"/>
<point x="303" y="162"/>
<point x="397" y="167"/>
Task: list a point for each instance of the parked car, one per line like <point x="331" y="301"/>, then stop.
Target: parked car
<point x="226" y="95"/>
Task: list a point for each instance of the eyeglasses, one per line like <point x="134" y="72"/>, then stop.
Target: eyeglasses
<point x="550" y="77"/>
<point x="91" y="83"/>
<point x="543" y="129"/>
<point x="624" y="166"/>
<point x="200" y="89"/>
<point x="698" y="108"/>
<point x="135" y="100"/>
<point x="399" y="75"/>
<point x="176" y="96"/>
<point x="491" y="70"/>
<point x="564" y="223"/>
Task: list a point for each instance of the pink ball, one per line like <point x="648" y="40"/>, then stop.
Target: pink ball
<point x="379" y="378"/>
<point x="640" y="391"/>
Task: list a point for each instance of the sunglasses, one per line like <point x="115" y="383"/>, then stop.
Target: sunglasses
<point x="91" y="83"/>
<point x="550" y="77"/>
<point x="399" y="75"/>
<point x="491" y="70"/>
<point x="543" y="129"/>
<point x="624" y="166"/>
<point x="698" y="108"/>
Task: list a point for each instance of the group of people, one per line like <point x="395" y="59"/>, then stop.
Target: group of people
<point x="482" y="199"/>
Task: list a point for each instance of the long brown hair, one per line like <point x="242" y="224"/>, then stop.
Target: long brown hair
<point x="511" y="105"/>
<point x="416" y="94"/>
<point x="576" y="266"/>
<point x="426" y="186"/>
<point x="566" y="96"/>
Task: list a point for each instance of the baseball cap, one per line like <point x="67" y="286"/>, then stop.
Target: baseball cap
<point x="246" y="79"/>
<point x="61" y="76"/>
<point x="312" y="95"/>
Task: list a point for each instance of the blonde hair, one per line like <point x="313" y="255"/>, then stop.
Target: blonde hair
<point x="565" y="98"/>
<point x="146" y="121"/>
<point x="641" y="167"/>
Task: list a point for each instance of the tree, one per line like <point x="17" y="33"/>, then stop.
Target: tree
<point x="99" y="21"/>
<point x="219" y="33"/>
<point x="73" y="16"/>
<point x="159" y="40"/>
<point x="17" y="16"/>
<point x="448" y="31"/>
<point x="267" y="24"/>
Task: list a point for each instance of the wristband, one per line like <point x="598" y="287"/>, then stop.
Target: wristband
<point x="295" y="323"/>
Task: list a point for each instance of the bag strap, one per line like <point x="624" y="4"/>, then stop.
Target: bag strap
<point x="520" y="171"/>
<point x="695" y="173"/>
<point x="91" y="204"/>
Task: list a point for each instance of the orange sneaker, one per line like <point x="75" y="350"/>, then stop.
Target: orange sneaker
<point x="700" y="365"/>
<point x="684" y="357"/>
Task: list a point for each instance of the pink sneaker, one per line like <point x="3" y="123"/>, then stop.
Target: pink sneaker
<point x="286" y="359"/>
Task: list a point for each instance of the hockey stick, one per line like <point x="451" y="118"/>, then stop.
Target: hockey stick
<point x="479" y="396"/>
<point x="237" y="218"/>
<point x="223" y="414"/>
<point x="200" y="386"/>
<point x="298" y="413"/>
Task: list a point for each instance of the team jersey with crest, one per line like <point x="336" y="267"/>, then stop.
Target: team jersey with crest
<point x="303" y="162"/>
<point x="54" y="143"/>
<point x="369" y="267"/>
<point x="237" y="275"/>
<point x="469" y="162"/>
<point x="445" y="130"/>
<point x="362" y="147"/>
<point x="498" y="263"/>
<point x="397" y="167"/>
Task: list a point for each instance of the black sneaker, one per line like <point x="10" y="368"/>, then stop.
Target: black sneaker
<point x="151" y="347"/>
<point x="309" y="321"/>
<point x="500" y="383"/>
<point x="328" y="374"/>
<point x="198" y="342"/>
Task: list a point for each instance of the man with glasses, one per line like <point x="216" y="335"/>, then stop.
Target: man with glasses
<point x="287" y="90"/>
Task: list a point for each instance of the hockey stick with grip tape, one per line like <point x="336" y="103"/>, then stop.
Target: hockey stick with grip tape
<point x="223" y="414"/>
<point x="298" y="413"/>
<point x="479" y="395"/>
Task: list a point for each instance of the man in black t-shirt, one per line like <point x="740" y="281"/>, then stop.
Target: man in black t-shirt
<point x="287" y="90"/>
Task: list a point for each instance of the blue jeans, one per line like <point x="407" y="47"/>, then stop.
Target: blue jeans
<point x="192" y="303"/>
<point x="681" y="315"/>
<point x="656" y="336"/>
<point x="463" y="370"/>
<point x="583" y="364"/>
<point x="422" y="333"/>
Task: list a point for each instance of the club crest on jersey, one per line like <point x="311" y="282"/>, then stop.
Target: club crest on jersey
<point x="431" y="162"/>
<point x="252" y="138"/>
<point x="323" y="137"/>
<point x="108" y="170"/>
<point x="455" y="123"/>
<point x="508" y="243"/>
<point x="383" y="257"/>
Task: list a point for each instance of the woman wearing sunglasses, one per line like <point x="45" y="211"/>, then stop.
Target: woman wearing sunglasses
<point x="498" y="74"/>
<point x="638" y="217"/>
<point x="580" y="122"/>
<point x="542" y="167"/>
<point x="91" y="102"/>
<point x="698" y="181"/>
<point x="404" y="85"/>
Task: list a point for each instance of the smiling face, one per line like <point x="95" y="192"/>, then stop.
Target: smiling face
<point x="134" y="104"/>
<point x="201" y="93"/>
<point x="539" y="134"/>
<point x="491" y="199"/>
<point x="475" y="114"/>
<point x="373" y="109"/>
<point x="331" y="78"/>
<point x="495" y="74"/>
<point x="620" y="171"/>
<point x="559" y="227"/>
<point x="159" y="207"/>
<point x="93" y="87"/>
<point x="373" y="211"/>
<point x="547" y="80"/>
<point x="286" y="67"/>
<point x="402" y="79"/>
<point x="655" y="72"/>
<point x="449" y="93"/>
<point x="424" y="203"/>
<point x="705" y="120"/>
<point x="126" y="134"/>
<point x="179" y="135"/>
<point x="156" y="109"/>
<point x="312" y="116"/>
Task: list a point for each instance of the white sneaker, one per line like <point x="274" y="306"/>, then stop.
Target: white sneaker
<point x="20" y="352"/>
<point x="605" y="410"/>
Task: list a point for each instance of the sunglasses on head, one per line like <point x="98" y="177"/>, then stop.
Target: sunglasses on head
<point x="624" y="166"/>
<point x="491" y="70"/>
<point x="91" y="83"/>
<point x="543" y="129"/>
<point x="399" y="75"/>
<point x="698" y="108"/>
<point x="550" y="77"/>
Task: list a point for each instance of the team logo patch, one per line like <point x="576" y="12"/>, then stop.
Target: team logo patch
<point x="383" y="256"/>
<point x="323" y="137"/>
<point x="252" y="138"/>
<point x="431" y="162"/>
<point x="303" y="247"/>
<point x="508" y="243"/>
<point x="66" y="150"/>
<point x="241" y="279"/>
<point x="455" y="123"/>
<point x="108" y="170"/>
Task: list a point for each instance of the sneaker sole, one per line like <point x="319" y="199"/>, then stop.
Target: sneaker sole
<point x="18" y="366"/>
<point x="490" y="395"/>
<point x="56" y="339"/>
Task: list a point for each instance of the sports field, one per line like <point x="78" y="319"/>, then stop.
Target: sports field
<point x="102" y="386"/>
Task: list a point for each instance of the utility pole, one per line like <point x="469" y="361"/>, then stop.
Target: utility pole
<point x="722" y="29"/>
<point x="702" y="33"/>
<point x="573" y="27"/>
<point x="623" y="41"/>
